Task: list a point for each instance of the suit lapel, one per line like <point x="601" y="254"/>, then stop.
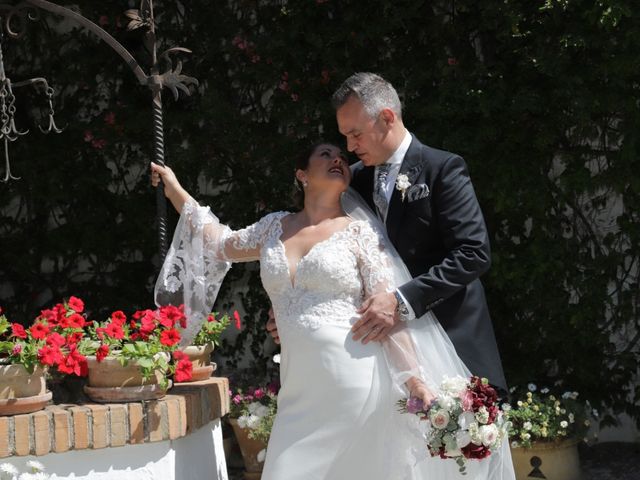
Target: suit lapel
<point x="411" y="167"/>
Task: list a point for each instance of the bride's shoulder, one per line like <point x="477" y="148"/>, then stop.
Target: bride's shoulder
<point x="362" y="228"/>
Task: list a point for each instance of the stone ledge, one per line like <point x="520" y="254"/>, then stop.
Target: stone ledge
<point x="60" y="428"/>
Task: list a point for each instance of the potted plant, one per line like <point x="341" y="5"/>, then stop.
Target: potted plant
<point x="199" y="352"/>
<point x="251" y="416"/>
<point x="545" y="430"/>
<point x="52" y="341"/>
<point x="130" y="359"/>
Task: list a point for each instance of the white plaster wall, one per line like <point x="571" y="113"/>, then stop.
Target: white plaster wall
<point x="198" y="456"/>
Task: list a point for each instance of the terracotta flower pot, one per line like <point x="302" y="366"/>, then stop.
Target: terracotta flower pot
<point x="200" y="357"/>
<point x="21" y="391"/>
<point x="249" y="449"/>
<point x="550" y="460"/>
<point x="109" y="381"/>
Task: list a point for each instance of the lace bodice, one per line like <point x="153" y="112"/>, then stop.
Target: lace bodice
<point x="331" y="280"/>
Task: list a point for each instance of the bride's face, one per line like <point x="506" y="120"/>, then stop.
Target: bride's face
<point x="328" y="169"/>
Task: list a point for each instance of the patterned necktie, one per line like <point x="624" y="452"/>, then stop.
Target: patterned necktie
<point x="379" y="195"/>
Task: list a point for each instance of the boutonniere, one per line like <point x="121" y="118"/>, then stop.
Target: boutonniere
<point x="402" y="184"/>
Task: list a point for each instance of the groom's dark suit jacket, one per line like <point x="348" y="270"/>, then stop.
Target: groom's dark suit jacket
<point x="439" y="231"/>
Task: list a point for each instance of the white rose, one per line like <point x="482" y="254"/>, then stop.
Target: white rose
<point x="402" y="182"/>
<point x="527" y="425"/>
<point x="532" y="387"/>
<point x="242" y="421"/>
<point x="439" y="419"/>
<point x="253" y="421"/>
<point x="276" y="358"/>
<point x="261" y="411"/>
<point x="482" y="415"/>
<point x="488" y="434"/>
<point x="506" y="407"/>
<point x="446" y="402"/>
<point x="466" y="419"/>
<point x="453" y="385"/>
<point x="254" y="406"/>
<point x="262" y="454"/>
<point x="463" y="438"/>
<point x="571" y="418"/>
<point x="564" y="424"/>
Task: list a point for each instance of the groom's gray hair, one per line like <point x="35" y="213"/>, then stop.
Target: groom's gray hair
<point x="372" y="90"/>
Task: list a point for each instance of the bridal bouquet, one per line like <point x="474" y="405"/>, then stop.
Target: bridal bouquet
<point x="463" y="422"/>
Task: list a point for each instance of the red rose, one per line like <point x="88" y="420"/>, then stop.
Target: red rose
<point x="39" y="331"/>
<point x="475" y="451"/>
<point x="18" y="331"/>
<point x="236" y="316"/>
<point x="211" y="318"/>
<point x="114" y="330"/>
<point x="118" y="317"/>
<point x="76" y="304"/>
<point x="170" y="337"/>
<point x="102" y="352"/>
<point x="184" y="370"/>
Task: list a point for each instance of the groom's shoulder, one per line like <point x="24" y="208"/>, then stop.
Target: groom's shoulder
<point x="431" y="155"/>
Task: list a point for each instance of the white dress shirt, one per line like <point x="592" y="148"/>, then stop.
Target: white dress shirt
<point x="395" y="160"/>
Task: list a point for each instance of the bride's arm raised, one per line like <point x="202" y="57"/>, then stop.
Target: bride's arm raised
<point x="399" y="347"/>
<point x="201" y="254"/>
<point x="220" y="241"/>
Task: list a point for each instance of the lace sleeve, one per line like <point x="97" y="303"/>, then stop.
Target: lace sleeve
<point x="244" y="245"/>
<point x="373" y="262"/>
<point x="377" y="276"/>
<point x="199" y="258"/>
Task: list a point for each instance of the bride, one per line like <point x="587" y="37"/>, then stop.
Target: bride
<point x="337" y="416"/>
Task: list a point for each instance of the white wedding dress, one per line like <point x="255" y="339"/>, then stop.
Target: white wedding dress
<point x="337" y="418"/>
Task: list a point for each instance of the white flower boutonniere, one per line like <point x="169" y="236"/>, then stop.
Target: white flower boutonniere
<point x="402" y="184"/>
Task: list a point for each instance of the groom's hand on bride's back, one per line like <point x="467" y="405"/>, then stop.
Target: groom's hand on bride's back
<point x="272" y="328"/>
<point x="377" y="317"/>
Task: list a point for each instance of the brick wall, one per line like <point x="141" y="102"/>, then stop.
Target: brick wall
<point x="60" y="428"/>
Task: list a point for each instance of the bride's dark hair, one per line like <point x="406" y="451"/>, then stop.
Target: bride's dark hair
<point x="302" y="163"/>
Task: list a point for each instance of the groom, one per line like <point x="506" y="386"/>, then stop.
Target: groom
<point x="426" y="200"/>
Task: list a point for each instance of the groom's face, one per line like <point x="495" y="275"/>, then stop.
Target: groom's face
<point x="365" y="136"/>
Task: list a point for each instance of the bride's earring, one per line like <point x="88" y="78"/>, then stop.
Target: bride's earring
<point x="305" y="184"/>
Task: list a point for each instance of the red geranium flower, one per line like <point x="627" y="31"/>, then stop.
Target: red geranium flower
<point x="76" y="304"/>
<point x="74" y="338"/>
<point x="118" y="317"/>
<point x="169" y="337"/>
<point x="76" y="321"/>
<point x="170" y="316"/>
<point x="50" y="316"/>
<point x="148" y="326"/>
<point x="236" y="316"/>
<point x="39" y="330"/>
<point x="102" y="352"/>
<point x="114" y="331"/>
<point x="50" y="355"/>
<point x="211" y="318"/>
<point x="55" y="340"/>
<point x="18" y="331"/>
<point x="74" y="363"/>
<point x="184" y="370"/>
<point x="179" y="355"/>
